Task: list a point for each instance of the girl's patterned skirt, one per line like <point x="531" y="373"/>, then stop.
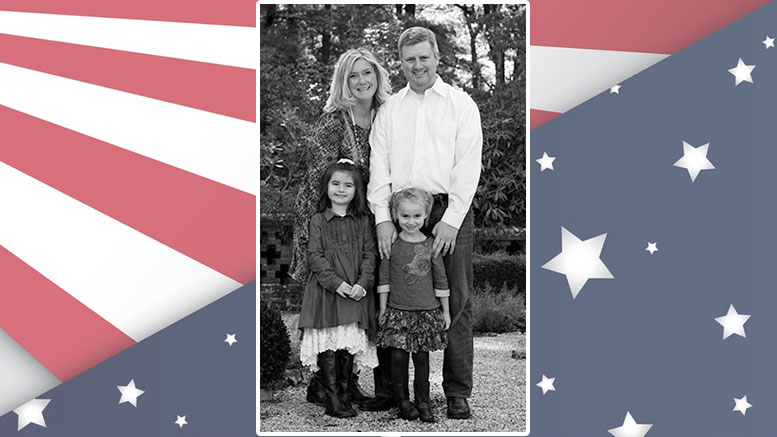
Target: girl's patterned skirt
<point x="413" y="331"/>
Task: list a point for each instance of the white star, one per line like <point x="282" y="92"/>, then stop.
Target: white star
<point x="546" y="161"/>
<point x="652" y="247"/>
<point x="181" y="421"/>
<point x="694" y="159"/>
<point x="579" y="260"/>
<point x="733" y="323"/>
<point x="546" y="384"/>
<point x="630" y="428"/>
<point x="742" y="72"/>
<point x="615" y="89"/>
<point x="768" y="42"/>
<point x="129" y="393"/>
<point x="741" y="405"/>
<point x="32" y="412"/>
<point x="231" y="339"/>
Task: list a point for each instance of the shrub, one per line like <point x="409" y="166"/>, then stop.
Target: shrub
<point x="499" y="270"/>
<point x="502" y="310"/>
<point x="274" y="347"/>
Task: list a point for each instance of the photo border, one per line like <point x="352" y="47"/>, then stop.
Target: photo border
<point x="526" y="241"/>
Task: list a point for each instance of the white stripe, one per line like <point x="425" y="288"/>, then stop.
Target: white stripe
<point x="214" y="146"/>
<point x="227" y="45"/>
<point x="563" y="78"/>
<point x="131" y="280"/>
<point x="22" y="377"/>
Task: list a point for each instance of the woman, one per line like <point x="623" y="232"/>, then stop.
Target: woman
<point x="359" y="86"/>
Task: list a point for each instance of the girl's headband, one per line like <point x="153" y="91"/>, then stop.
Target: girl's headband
<point x="346" y="161"/>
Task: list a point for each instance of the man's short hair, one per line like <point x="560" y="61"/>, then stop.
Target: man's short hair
<point x="416" y="35"/>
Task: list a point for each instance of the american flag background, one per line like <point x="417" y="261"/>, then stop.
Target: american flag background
<point x="653" y="244"/>
<point x="128" y="153"/>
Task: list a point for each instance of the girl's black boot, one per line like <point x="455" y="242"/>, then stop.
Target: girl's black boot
<point x="327" y="362"/>
<point x="421" y="393"/>
<point x="345" y="379"/>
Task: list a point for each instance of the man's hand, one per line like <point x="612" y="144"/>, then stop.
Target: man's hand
<point x="387" y="234"/>
<point x="344" y="290"/>
<point x="358" y="292"/>
<point x="444" y="238"/>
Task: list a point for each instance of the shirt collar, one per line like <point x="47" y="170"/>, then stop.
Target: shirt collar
<point x="329" y="214"/>
<point x="439" y="87"/>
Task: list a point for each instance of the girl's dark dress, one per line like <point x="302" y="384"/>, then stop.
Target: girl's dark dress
<point x="340" y="249"/>
<point x="329" y="141"/>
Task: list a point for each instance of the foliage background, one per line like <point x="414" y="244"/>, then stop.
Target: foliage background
<point x="482" y="50"/>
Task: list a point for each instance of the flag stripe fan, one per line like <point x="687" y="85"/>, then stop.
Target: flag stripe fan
<point x="213" y="146"/>
<point x="214" y="88"/>
<point x="163" y="202"/>
<point x="63" y="334"/>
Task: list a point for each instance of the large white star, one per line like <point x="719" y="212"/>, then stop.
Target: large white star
<point x="181" y="421"/>
<point x="615" y="89"/>
<point x="733" y="323"/>
<point x="630" y="428"/>
<point x="652" y="247"/>
<point x="32" y="412"/>
<point x="768" y="42"/>
<point x="741" y="405"/>
<point x="129" y="393"/>
<point x="546" y="161"/>
<point x="742" y="72"/>
<point x="230" y="339"/>
<point x="546" y="384"/>
<point x="694" y="159"/>
<point x="579" y="260"/>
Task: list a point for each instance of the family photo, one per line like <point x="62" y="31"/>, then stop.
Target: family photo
<point x="392" y="218"/>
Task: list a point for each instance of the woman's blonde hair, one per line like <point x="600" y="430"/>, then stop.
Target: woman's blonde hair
<point x="340" y="96"/>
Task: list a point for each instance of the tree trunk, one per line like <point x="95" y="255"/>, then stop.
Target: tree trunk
<point x="410" y="10"/>
<point x="269" y="14"/>
<point x="326" y="37"/>
<point x="474" y="65"/>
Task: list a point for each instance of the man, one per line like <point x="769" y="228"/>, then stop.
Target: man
<point x="428" y="135"/>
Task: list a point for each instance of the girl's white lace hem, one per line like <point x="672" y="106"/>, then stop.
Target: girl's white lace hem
<point x="349" y="337"/>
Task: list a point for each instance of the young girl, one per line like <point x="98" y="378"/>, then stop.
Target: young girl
<point x="337" y="317"/>
<point x="413" y="297"/>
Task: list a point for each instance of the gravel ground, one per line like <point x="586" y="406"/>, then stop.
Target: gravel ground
<point x="498" y="401"/>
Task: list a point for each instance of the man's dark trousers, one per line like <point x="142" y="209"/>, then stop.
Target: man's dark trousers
<point x="457" y="362"/>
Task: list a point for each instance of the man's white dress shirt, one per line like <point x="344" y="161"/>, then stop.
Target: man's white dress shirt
<point x="433" y="142"/>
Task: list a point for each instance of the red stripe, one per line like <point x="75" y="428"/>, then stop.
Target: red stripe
<point x="227" y="12"/>
<point x="216" y="88"/>
<point x="539" y="117"/>
<point x="658" y="26"/>
<point x="55" y="328"/>
<point x="210" y="222"/>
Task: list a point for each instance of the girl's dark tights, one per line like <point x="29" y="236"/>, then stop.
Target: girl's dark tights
<point x="399" y="366"/>
<point x="421" y="364"/>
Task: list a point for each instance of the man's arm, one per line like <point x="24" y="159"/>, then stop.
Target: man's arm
<point x="379" y="187"/>
<point x="465" y="174"/>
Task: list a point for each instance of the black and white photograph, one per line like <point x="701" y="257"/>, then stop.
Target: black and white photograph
<point x="392" y="258"/>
